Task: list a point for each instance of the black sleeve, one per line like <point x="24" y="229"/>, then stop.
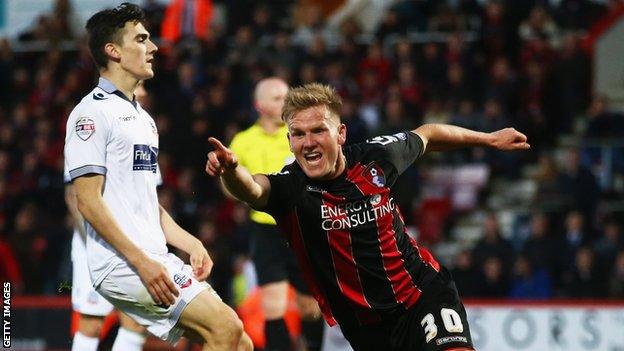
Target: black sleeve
<point x="282" y="193"/>
<point x="400" y="149"/>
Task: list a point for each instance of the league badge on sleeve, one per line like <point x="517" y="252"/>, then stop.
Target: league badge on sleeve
<point x="85" y="127"/>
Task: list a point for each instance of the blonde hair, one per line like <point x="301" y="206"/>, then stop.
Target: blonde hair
<point x="309" y="95"/>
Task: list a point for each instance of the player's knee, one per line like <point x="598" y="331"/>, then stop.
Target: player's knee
<point x="228" y="332"/>
<point x="274" y="299"/>
<point x="308" y="309"/>
<point x="90" y="326"/>
<point x="130" y="324"/>
<point x="233" y="326"/>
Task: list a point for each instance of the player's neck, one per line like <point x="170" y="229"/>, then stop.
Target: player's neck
<point x="269" y="125"/>
<point x="122" y="81"/>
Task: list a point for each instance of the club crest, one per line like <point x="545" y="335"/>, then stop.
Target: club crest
<point x="376" y="176"/>
<point x="182" y="280"/>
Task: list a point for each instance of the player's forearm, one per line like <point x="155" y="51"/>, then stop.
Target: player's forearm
<point x="242" y="185"/>
<point x="175" y="235"/>
<point x="72" y="207"/>
<point x="440" y="137"/>
<point x="96" y="212"/>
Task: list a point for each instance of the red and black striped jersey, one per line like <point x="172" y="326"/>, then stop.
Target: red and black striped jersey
<point x="348" y="233"/>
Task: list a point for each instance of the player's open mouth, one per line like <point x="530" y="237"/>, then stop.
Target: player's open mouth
<point x="312" y="157"/>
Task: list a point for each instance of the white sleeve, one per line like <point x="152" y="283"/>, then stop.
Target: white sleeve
<point x="66" y="178"/>
<point x="87" y="134"/>
<point x="159" y="179"/>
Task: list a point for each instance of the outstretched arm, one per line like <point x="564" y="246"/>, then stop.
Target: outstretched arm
<point x="222" y="162"/>
<point x="440" y="137"/>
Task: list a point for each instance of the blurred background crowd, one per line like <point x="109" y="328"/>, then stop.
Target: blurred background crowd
<point x="538" y="224"/>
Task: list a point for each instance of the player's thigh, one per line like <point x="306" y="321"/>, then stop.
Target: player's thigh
<point x="439" y="321"/>
<point x="128" y="323"/>
<point x="308" y="307"/>
<point x="206" y="315"/>
<point x="373" y="337"/>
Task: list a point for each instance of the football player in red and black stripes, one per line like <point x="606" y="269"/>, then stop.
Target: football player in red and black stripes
<point x="334" y="205"/>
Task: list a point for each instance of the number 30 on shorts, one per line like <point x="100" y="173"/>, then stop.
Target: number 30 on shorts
<point x="451" y="320"/>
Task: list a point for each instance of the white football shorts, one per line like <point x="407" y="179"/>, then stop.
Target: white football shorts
<point x="124" y="289"/>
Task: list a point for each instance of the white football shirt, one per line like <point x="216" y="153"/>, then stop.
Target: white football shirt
<point x="110" y="135"/>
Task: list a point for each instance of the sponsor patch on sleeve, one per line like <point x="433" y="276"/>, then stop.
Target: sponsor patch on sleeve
<point x="85" y="127"/>
<point x="449" y="339"/>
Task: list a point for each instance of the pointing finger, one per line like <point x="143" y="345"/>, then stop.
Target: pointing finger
<point x="216" y="143"/>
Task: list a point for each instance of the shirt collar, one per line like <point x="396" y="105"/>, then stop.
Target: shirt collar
<point x="110" y="88"/>
<point x="106" y="85"/>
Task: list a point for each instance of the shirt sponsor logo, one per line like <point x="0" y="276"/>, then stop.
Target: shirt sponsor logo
<point x="145" y="158"/>
<point x="315" y="189"/>
<point x="127" y="118"/>
<point x="448" y="339"/>
<point x="401" y="136"/>
<point x="352" y="214"/>
<point x="85" y="127"/>
<point x="182" y="280"/>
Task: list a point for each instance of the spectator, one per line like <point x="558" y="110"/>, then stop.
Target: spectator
<point x="539" y="23"/>
<point x="575" y="232"/>
<point x="493" y="281"/>
<point x="492" y="244"/>
<point x="541" y="248"/>
<point x="584" y="279"/>
<point x="580" y="186"/>
<point x="9" y="267"/>
<point x="529" y="283"/>
<point x="609" y="244"/>
<point x="548" y="194"/>
<point x="186" y="19"/>
<point x="465" y="275"/>
<point x="616" y="278"/>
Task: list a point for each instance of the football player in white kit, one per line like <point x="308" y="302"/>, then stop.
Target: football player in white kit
<point x="111" y="149"/>
<point x="90" y="305"/>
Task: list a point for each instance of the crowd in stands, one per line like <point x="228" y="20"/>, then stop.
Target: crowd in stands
<point x="484" y="65"/>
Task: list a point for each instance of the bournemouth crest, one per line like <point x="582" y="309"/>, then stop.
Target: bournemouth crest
<point x="85" y="127"/>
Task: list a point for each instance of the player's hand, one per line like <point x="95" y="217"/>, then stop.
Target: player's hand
<point x="221" y="159"/>
<point x="509" y="139"/>
<point x="201" y="262"/>
<point x="156" y="279"/>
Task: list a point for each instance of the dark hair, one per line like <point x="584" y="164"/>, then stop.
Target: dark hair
<point x="106" y="27"/>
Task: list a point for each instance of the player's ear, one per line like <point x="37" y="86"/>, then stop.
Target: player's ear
<point x="257" y="106"/>
<point x="342" y="134"/>
<point x="112" y="52"/>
